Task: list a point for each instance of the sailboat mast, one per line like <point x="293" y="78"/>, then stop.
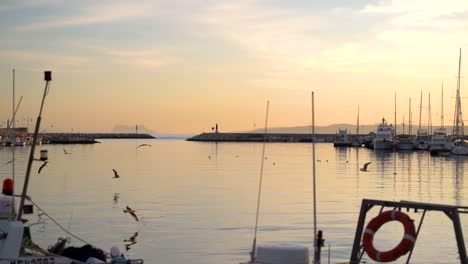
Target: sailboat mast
<point x="429" y="117"/>
<point x="357" y="128"/>
<point x="442" y="108"/>
<point x="403" y="124"/>
<point x="395" y="117"/>
<point x="457" y="131"/>
<point x="410" y="126"/>
<point x="420" y="112"/>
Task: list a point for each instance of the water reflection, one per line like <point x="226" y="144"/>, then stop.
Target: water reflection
<point x="128" y="243"/>
<point x="116" y="198"/>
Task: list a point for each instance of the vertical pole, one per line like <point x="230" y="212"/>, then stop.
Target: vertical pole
<point x="357" y="237"/>
<point x="459" y="235"/>
<point x="31" y="154"/>
<point x="316" y="245"/>
<point x="396" y="132"/>
<point x="13" y="140"/>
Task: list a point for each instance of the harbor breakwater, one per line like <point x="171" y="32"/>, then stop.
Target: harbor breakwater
<point x="258" y="137"/>
<point x="87" y="138"/>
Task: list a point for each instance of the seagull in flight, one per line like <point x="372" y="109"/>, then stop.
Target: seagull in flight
<point x="144" y="145"/>
<point x="66" y="152"/>
<point x="116" y="175"/>
<point x="131" y="212"/>
<point x="365" y="166"/>
<point x="42" y="166"/>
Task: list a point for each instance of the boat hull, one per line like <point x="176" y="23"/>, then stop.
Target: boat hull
<point x="383" y="144"/>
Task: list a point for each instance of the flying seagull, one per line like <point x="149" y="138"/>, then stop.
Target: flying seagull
<point x="144" y="145"/>
<point x="65" y="152"/>
<point x="116" y="175"/>
<point x="365" y="166"/>
<point x="42" y="166"/>
<point x="131" y="212"/>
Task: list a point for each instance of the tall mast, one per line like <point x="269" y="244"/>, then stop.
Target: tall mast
<point x="442" y="108"/>
<point x="395" y="117"/>
<point x="410" y="125"/>
<point x="457" y="131"/>
<point x="420" y="111"/>
<point x="429" y="117"/>
<point x="403" y="124"/>
<point x="357" y="128"/>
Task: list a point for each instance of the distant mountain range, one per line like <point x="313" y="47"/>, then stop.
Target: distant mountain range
<point x="332" y="129"/>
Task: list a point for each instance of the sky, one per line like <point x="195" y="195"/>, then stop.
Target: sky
<point x="183" y="66"/>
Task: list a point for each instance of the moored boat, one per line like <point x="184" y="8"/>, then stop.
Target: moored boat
<point x="342" y="139"/>
<point x="384" y="137"/>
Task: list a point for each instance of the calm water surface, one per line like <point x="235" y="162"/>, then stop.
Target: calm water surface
<point x="197" y="201"/>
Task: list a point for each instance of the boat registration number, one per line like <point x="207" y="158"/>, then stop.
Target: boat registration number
<point x="49" y="260"/>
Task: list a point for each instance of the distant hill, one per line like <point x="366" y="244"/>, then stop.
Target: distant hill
<point x="132" y="129"/>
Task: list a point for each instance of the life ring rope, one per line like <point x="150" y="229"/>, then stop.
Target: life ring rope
<point x="405" y="245"/>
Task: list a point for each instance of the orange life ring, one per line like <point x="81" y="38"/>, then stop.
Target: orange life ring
<point x="401" y="249"/>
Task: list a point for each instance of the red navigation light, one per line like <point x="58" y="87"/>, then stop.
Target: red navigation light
<point x="7" y="187"/>
<point x="47" y="76"/>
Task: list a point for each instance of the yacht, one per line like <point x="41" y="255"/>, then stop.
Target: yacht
<point x="385" y="136"/>
<point x="404" y="142"/>
<point x="423" y="140"/>
<point x="440" y="143"/>
<point x="342" y="139"/>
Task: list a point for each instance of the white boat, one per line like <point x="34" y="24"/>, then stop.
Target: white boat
<point x="342" y="139"/>
<point x="16" y="243"/>
<point x="440" y="143"/>
<point x="404" y="142"/>
<point x="384" y="137"/>
<point x="423" y="140"/>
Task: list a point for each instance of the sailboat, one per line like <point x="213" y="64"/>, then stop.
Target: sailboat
<point x="356" y="141"/>
<point x="440" y="143"/>
<point x="460" y="147"/>
<point x="422" y="136"/>
<point x="16" y="243"/>
<point x="405" y="141"/>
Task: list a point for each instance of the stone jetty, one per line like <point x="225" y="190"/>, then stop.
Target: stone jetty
<point x="258" y="137"/>
<point x="87" y="138"/>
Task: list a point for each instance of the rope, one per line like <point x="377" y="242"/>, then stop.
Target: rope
<point x="59" y="225"/>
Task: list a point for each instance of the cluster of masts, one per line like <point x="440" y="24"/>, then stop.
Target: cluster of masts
<point x="437" y="141"/>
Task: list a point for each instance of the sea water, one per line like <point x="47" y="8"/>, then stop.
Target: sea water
<point x="196" y="202"/>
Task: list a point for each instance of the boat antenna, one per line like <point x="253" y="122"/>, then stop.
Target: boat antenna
<point x="410" y="117"/>
<point x="47" y="78"/>
<point x="254" y="244"/>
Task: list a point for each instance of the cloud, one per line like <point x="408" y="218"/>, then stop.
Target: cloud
<point x="8" y="5"/>
<point x="45" y="60"/>
<point x="150" y="58"/>
<point x="95" y="14"/>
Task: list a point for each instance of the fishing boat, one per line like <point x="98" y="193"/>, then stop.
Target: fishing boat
<point x="405" y="141"/>
<point x="342" y="139"/>
<point x="384" y="137"/>
<point x="16" y="243"/>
